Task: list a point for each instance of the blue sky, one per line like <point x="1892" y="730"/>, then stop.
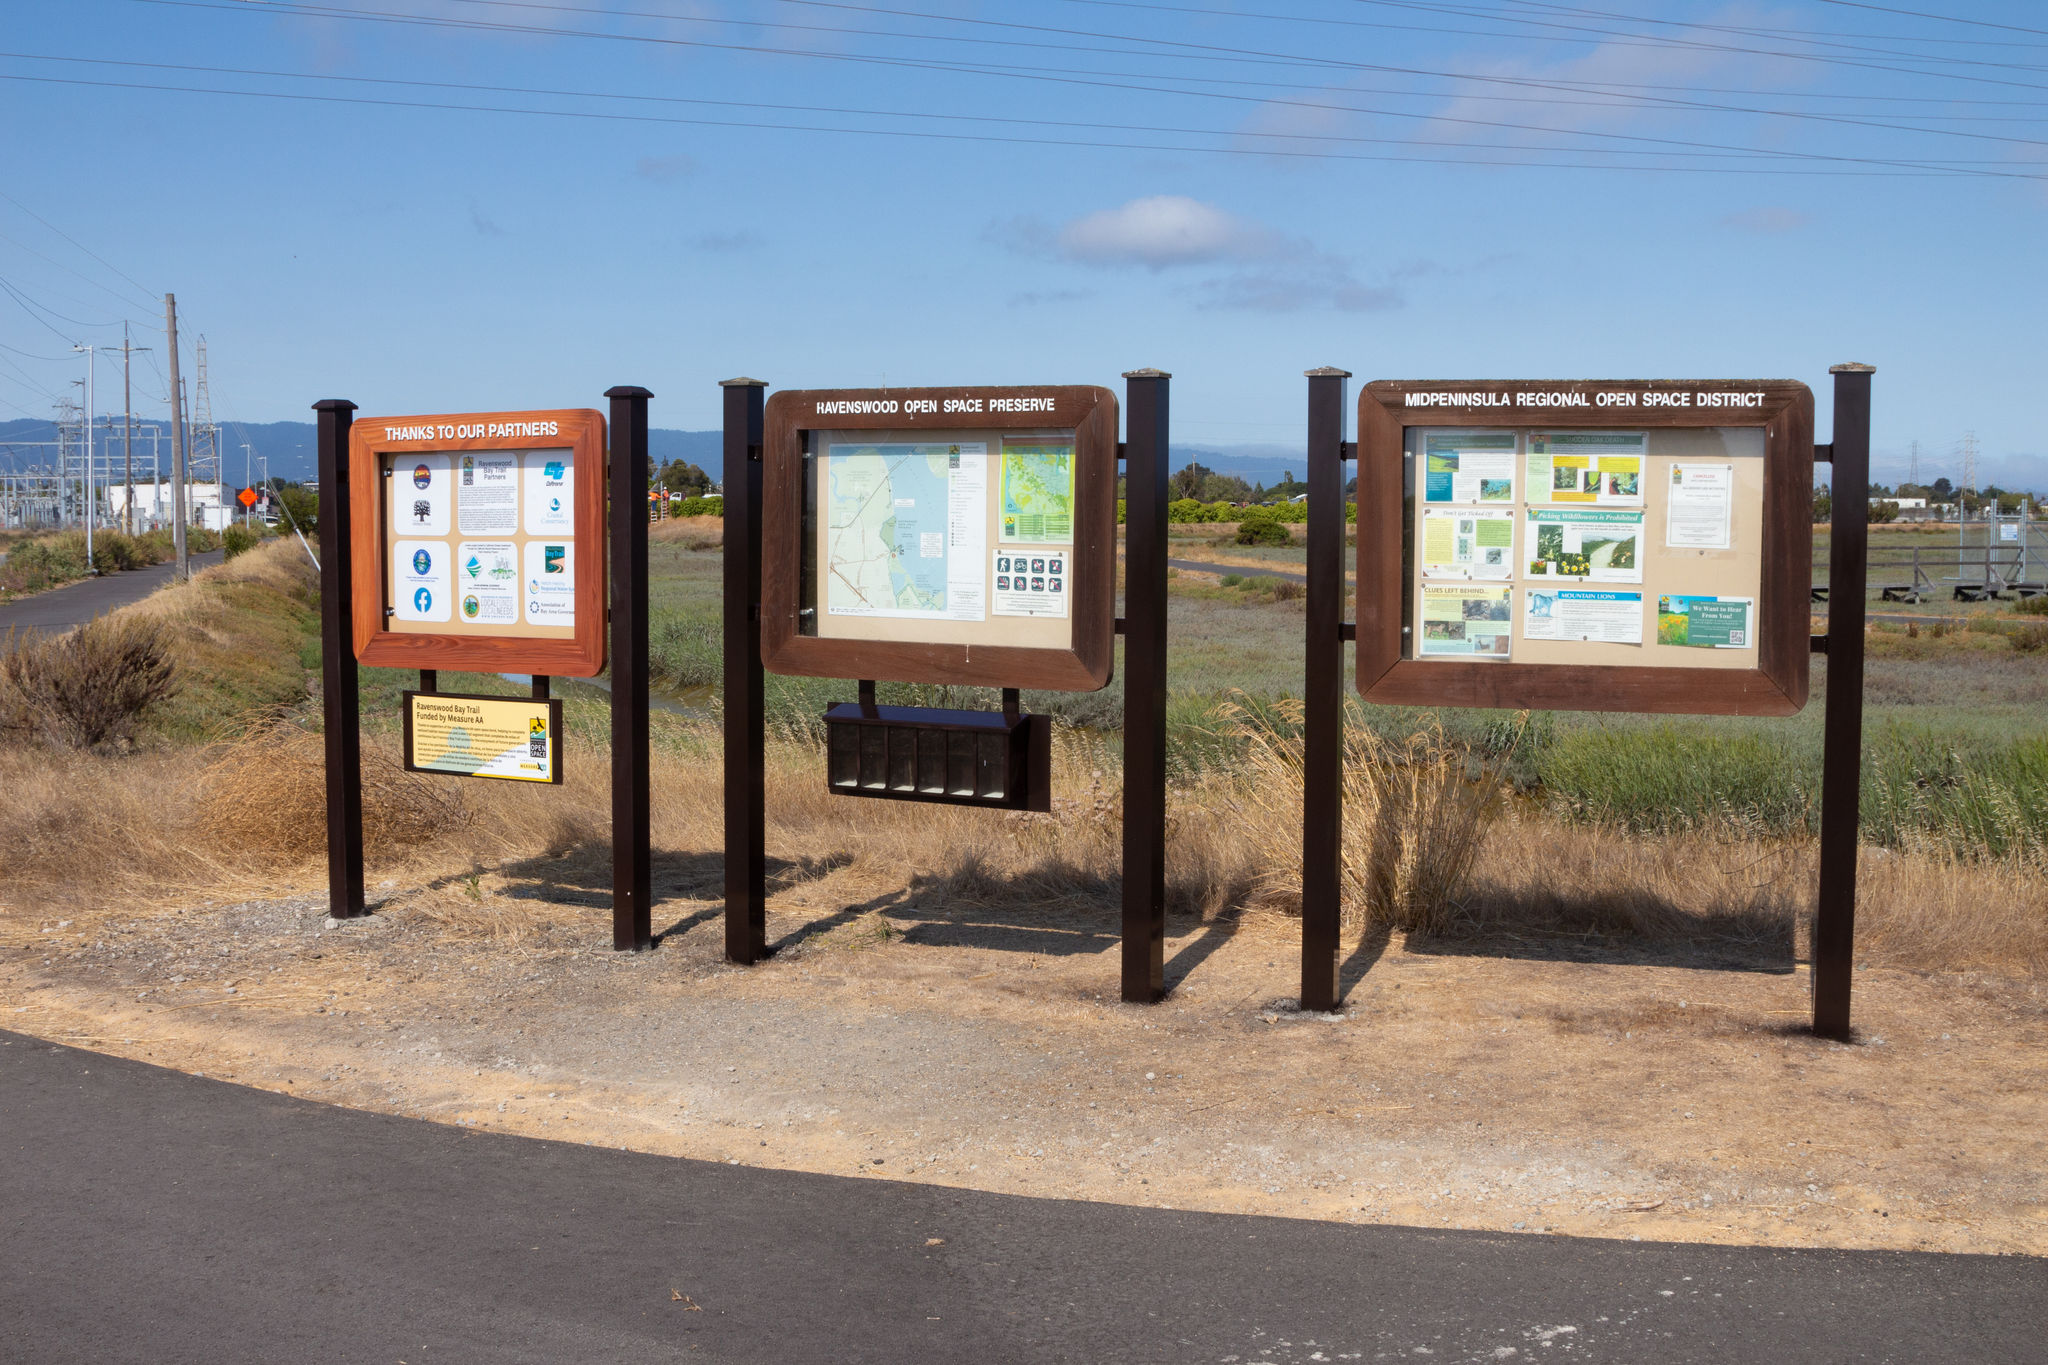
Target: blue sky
<point x="1407" y="188"/>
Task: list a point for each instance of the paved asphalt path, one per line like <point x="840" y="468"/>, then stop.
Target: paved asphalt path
<point x="151" y="1216"/>
<point x="74" y="604"/>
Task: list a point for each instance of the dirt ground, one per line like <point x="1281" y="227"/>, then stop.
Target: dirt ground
<point x="1508" y="1086"/>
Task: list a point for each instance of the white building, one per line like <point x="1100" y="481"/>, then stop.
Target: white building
<point x="211" y="505"/>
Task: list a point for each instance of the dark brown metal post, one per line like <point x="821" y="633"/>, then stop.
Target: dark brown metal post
<point x="746" y="913"/>
<point x="1145" y="458"/>
<point x="339" y="709"/>
<point x="632" y="852"/>
<point x="1322" y="759"/>
<point x="1834" y="920"/>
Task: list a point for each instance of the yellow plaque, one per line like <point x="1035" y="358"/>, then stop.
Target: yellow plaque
<point x="516" y="738"/>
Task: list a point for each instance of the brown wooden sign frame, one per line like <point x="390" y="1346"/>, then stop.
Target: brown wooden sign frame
<point x="1088" y="410"/>
<point x="1776" y="687"/>
<point x="582" y="432"/>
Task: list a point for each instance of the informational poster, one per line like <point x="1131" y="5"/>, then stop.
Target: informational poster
<point x="2008" y="531"/>
<point x="1597" y="544"/>
<point x="550" y="493"/>
<point x="1706" y="622"/>
<point x="487" y="493"/>
<point x="1466" y="621"/>
<point x="1595" y="468"/>
<point x="507" y="737"/>
<point x="550" y="582"/>
<point x="1606" y="615"/>
<point x="907" y="529"/>
<point x="1699" y="506"/>
<point x="1469" y="467"/>
<point x="421" y="580"/>
<point x="487" y="581"/>
<point x="1468" y="544"/>
<point x="1031" y="584"/>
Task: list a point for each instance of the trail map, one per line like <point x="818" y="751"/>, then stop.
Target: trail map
<point x="905" y="529"/>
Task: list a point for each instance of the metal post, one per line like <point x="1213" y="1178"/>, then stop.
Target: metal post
<point x="1145" y="459"/>
<point x="1834" y="920"/>
<point x="632" y="855"/>
<point x="746" y="897"/>
<point x="339" y="714"/>
<point x="1322" y="758"/>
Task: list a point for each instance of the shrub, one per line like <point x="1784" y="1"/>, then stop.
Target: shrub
<point x="88" y="689"/>
<point x="1231" y="580"/>
<point x="697" y="507"/>
<point x="238" y="539"/>
<point x="2029" y="639"/>
<point x="1262" y="531"/>
<point x="2032" y="606"/>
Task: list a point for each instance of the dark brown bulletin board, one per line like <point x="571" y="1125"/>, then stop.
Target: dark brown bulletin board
<point x="1776" y="686"/>
<point x="557" y="652"/>
<point x="1082" y="665"/>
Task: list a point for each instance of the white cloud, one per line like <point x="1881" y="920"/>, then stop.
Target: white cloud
<point x="1263" y="270"/>
<point x="1164" y="230"/>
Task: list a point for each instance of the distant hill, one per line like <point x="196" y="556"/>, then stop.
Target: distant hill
<point x="293" y="453"/>
<point x="290" y="448"/>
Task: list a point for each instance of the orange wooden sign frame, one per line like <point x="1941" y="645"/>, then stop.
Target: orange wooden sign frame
<point x="582" y="432"/>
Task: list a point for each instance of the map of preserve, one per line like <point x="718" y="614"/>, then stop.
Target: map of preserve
<point x="1038" y="490"/>
<point x="904" y="534"/>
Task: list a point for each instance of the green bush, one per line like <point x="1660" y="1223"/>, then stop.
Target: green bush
<point x="696" y="507"/>
<point x="238" y="539"/>
<point x="1262" y="530"/>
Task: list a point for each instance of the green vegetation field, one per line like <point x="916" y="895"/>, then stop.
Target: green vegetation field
<point x="1956" y="719"/>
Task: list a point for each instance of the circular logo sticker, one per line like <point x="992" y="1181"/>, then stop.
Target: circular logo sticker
<point x="422" y="562"/>
<point x="421" y="476"/>
<point x="423" y="601"/>
<point x="470" y="606"/>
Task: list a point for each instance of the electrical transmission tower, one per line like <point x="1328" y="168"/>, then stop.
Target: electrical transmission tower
<point x="1970" y="462"/>
<point x="205" y="438"/>
<point x="1913" y="466"/>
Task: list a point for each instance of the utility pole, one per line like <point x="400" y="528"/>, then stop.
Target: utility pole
<point x="89" y="489"/>
<point x="248" y="481"/>
<point x="128" y="436"/>
<point x="177" y="442"/>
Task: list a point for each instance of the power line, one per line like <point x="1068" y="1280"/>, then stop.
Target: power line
<point x="1879" y="167"/>
<point x="1921" y="165"/>
<point x="912" y="114"/>
<point x="1936" y="18"/>
<point x="80" y="245"/>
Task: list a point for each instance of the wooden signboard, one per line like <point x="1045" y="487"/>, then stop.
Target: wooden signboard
<point x="479" y="541"/>
<point x="941" y="535"/>
<point x="1586" y="545"/>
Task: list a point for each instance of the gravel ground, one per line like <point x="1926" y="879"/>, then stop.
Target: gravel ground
<point x="1562" y="1088"/>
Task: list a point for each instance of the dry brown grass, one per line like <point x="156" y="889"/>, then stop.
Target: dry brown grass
<point x="1415" y="818"/>
<point x="88" y="688"/>
<point x="698" y="533"/>
<point x="507" y="860"/>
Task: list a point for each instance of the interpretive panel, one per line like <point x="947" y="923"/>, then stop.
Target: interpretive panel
<point x="480" y="541"/>
<point x="1625" y="545"/>
<point x="941" y="535"/>
<point x="515" y="738"/>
